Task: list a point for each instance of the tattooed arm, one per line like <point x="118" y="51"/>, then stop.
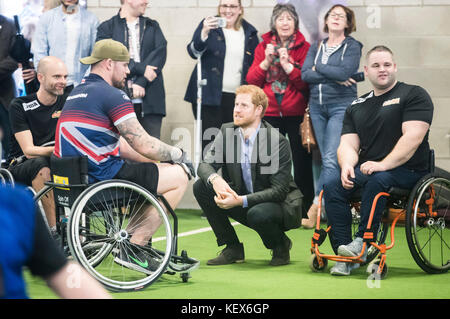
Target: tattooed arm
<point x="146" y="145"/>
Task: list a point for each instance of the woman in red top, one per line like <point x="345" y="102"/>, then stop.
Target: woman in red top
<point x="277" y="70"/>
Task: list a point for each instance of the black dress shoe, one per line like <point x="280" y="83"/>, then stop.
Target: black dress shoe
<point x="230" y="255"/>
<point x="280" y="254"/>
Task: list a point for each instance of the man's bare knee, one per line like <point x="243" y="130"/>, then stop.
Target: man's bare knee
<point x="182" y="178"/>
<point x="44" y="174"/>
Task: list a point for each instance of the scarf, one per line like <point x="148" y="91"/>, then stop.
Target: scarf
<point x="276" y="74"/>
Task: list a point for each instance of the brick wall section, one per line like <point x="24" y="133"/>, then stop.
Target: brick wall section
<point x="418" y="31"/>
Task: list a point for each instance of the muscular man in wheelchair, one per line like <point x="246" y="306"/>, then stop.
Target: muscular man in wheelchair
<point x="384" y="143"/>
<point x="33" y="120"/>
<point x="99" y="121"/>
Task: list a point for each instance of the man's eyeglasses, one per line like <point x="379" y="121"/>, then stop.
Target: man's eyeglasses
<point x="339" y="16"/>
<point x="228" y="6"/>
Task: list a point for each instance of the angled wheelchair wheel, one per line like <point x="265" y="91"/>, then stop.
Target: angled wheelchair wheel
<point x="101" y="225"/>
<point x="38" y="200"/>
<point x="6" y="177"/>
<point x="428" y="223"/>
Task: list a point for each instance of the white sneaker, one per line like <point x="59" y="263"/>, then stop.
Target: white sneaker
<point x="340" y="269"/>
<point x="353" y="249"/>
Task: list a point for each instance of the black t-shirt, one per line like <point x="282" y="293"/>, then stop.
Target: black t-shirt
<point x="378" y="122"/>
<point x="27" y="113"/>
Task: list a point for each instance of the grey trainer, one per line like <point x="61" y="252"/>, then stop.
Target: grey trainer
<point x="353" y="249"/>
<point x="340" y="269"/>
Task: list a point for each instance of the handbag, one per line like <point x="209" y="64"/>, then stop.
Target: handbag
<point x="307" y="132"/>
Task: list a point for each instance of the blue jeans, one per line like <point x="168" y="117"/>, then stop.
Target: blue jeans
<point x="338" y="207"/>
<point x="327" y="122"/>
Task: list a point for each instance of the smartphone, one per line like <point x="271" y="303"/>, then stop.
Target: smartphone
<point x="222" y="22"/>
<point x="358" y="77"/>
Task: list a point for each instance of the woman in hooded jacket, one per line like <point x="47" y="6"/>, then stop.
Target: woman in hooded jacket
<point x="328" y="69"/>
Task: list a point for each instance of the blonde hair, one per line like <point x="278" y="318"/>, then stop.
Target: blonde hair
<point x="238" y="23"/>
<point x="258" y="95"/>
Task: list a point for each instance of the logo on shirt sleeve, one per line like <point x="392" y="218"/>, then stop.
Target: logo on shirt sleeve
<point x="30" y="106"/>
<point x="56" y="115"/>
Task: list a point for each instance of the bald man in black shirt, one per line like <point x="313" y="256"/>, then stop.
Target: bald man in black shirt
<point x="33" y="120"/>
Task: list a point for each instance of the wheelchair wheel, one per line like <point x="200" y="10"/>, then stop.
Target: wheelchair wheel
<point x="372" y="269"/>
<point x="38" y="200"/>
<point x="103" y="219"/>
<point x="315" y="265"/>
<point x="428" y="223"/>
<point x="6" y="177"/>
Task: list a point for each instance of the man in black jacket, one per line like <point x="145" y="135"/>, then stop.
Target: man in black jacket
<point x="7" y="66"/>
<point x="148" y="51"/>
<point x="256" y="187"/>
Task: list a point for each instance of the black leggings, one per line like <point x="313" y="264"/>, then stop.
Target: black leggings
<point x="302" y="160"/>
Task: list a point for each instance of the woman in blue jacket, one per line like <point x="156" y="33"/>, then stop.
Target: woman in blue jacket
<point x="226" y="55"/>
<point x="328" y="69"/>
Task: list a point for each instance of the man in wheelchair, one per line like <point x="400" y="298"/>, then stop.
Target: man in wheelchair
<point x="384" y="143"/>
<point x="99" y="121"/>
<point x="33" y="120"/>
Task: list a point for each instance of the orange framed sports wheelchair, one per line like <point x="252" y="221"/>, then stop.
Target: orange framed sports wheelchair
<point x="425" y="213"/>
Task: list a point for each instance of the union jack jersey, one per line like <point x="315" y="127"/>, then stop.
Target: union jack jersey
<point x="87" y="126"/>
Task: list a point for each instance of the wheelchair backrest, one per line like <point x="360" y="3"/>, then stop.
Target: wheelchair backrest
<point x="71" y="172"/>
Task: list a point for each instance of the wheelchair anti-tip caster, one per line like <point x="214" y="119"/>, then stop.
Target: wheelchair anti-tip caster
<point x="316" y="265"/>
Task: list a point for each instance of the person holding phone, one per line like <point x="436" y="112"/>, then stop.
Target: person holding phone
<point x="330" y="69"/>
<point x="277" y="70"/>
<point x="226" y="43"/>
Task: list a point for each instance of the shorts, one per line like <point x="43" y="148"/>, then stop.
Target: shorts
<point x="24" y="173"/>
<point x="143" y="174"/>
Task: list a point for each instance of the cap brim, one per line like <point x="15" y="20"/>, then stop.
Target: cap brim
<point x="89" y="60"/>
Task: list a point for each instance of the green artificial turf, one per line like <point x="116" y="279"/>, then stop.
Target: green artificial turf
<point x="255" y="279"/>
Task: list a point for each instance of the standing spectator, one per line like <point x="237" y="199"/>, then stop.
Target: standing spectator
<point x="67" y="32"/>
<point x="226" y="55"/>
<point x="7" y="87"/>
<point x="148" y="51"/>
<point x="277" y="69"/>
<point x="328" y="69"/>
<point x="311" y="13"/>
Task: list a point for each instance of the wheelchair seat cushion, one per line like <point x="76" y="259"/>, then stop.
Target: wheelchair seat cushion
<point x="143" y="174"/>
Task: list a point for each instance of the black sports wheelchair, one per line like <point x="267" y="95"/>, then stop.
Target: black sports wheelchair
<point x="424" y="210"/>
<point x="97" y="220"/>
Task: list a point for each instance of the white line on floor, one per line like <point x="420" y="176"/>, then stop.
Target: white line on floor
<point x="192" y="232"/>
